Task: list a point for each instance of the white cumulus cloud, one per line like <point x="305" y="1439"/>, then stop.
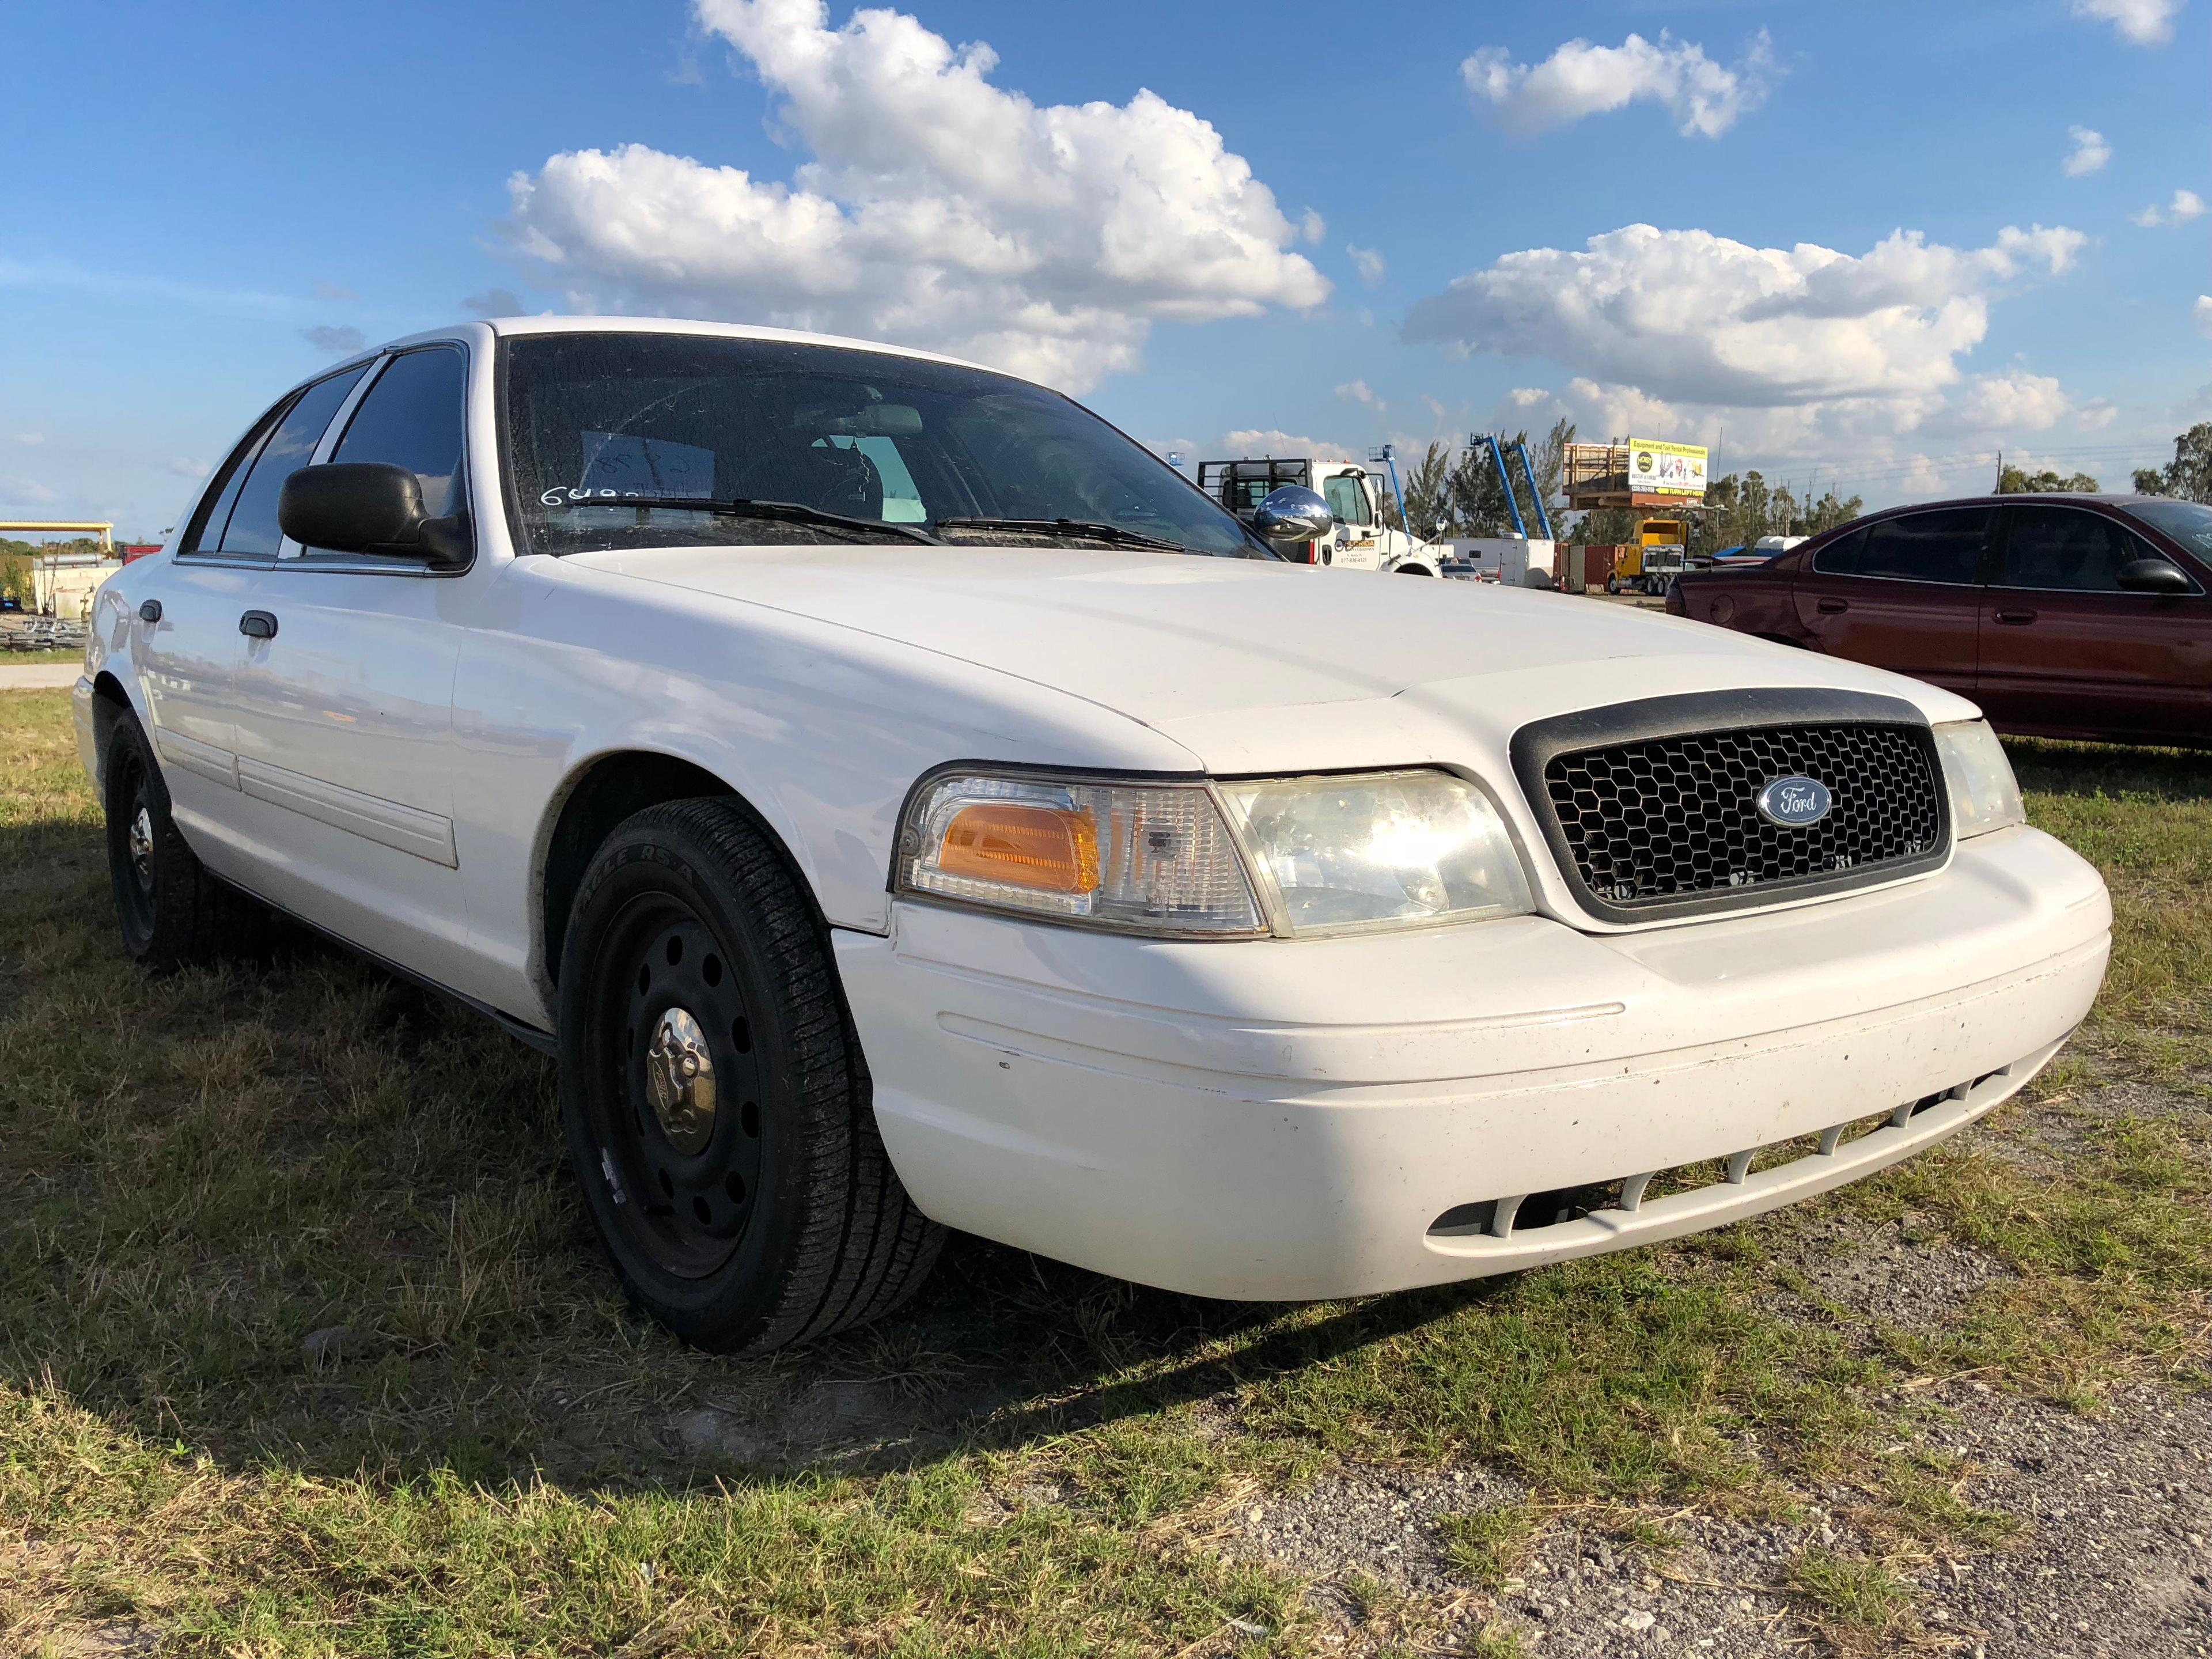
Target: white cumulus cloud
<point x="2090" y="153"/>
<point x="2201" y="313"/>
<point x="938" y="210"/>
<point x="1689" y="316"/>
<point x="2014" y="400"/>
<point x="2186" y="204"/>
<point x="1582" y="78"/>
<point x="1359" y="391"/>
<point x="1259" y="442"/>
<point x="1367" y="262"/>
<point x="2139" y="22"/>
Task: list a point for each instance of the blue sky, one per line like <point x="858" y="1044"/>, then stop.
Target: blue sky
<point x="1880" y="248"/>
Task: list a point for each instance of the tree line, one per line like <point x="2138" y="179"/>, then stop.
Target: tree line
<point x="1464" y="496"/>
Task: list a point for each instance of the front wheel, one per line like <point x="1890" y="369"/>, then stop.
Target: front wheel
<point x="714" y="1094"/>
<point x="168" y="903"/>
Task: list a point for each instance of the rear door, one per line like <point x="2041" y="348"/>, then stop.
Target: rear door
<point x="1903" y="594"/>
<point x="186" y="660"/>
<point x="2065" y="650"/>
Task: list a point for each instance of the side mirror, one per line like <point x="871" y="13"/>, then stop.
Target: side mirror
<point x="2153" y="577"/>
<point x="368" y="507"/>
<point x="1293" y="513"/>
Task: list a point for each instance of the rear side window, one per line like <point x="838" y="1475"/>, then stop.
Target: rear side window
<point x="1839" y="557"/>
<point x="204" y="534"/>
<point x="251" y="532"/>
<point x="1941" y="546"/>
<point x="411" y="418"/>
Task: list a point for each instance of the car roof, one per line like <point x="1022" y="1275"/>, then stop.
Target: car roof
<point x="509" y="327"/>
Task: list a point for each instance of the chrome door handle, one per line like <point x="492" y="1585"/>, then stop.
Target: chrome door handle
<point x="1832" y="606"/>
<point x="2016" y="618"/>
<point x="258" y="625"/>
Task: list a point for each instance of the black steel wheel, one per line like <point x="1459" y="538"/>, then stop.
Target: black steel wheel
<point x="684" y="1128"/>
<point x="715" y="1097"/>
<point x="166" y="900"/>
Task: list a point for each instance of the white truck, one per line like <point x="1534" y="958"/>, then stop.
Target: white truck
<point x="1360" y="540"/>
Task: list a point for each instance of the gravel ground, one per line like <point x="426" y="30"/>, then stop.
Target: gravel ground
<point x="2111" y="1561"/>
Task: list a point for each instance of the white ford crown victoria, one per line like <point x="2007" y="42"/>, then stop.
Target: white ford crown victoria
<point x="901" y="803"/>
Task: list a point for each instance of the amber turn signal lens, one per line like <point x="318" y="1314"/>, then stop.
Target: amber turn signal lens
<point x="1047" y="848"/>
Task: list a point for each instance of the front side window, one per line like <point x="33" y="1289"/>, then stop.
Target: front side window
<point x="250" y="531"/>
<point x="609" y="437"/>
<point x="2189" y="523"/>
<point x="1944" y="545"/>
<point x="1347" y="500"/>
<point x="2066" y="549"/>
<point x="411" y="418"/>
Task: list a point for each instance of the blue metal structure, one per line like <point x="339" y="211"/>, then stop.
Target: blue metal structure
<point x="1496" y="447"/>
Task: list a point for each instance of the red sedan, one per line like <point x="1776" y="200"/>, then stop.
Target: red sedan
<point x="2062" y="615"/>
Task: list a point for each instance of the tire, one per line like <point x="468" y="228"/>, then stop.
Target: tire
<point x="714" y="1098"/>
<point x="172" y="909"/>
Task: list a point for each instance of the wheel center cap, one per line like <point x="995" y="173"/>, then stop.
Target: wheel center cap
<point x="680" y="1074"/>
<point x="142" y="844"/>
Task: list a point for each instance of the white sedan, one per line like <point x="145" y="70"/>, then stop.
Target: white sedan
<point x="901" y="803"/>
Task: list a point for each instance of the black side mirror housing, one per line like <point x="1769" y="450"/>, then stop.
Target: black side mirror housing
<point x="368" y="507"/>
<point x="2153" y="577"/>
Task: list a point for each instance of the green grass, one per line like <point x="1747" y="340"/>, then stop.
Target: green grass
<point x="197" y="1174"/>
<point x="22" y="657"/>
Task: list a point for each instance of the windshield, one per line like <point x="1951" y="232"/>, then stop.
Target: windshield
<point x="2187" y="522"/>
<point x="590" y="420"/>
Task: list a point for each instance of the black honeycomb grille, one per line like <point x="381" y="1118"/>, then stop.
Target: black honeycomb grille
<point x="1652" y="823"/>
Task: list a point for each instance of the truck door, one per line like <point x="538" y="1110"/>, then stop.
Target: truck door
<point x="1358" y="547"/>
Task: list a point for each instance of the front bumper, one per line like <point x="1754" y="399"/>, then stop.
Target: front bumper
<point x="1294" y="1119"/>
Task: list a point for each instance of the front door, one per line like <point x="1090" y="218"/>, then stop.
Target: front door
<point x="1903" y="594"/>
<point x="2067" y="652"/>
<point x="345" y="709"/>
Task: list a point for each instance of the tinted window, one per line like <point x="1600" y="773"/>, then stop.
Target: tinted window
<point x="592" y="421"/>
<point x="2189" y="523"/>
<point x="411" y="418"/>
<point x="1944" y="546"/>
<point x="205" y="533"/>
<point x="1839" y="557"/>
<point x="2066" y="549"/>
<point x="251" y="532"/>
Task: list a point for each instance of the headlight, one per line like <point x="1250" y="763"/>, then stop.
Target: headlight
<point x="1154" y="859"/>
<point x="1984" y="795"/>
<point x="1379" y="847"/>
<point x="1317" y="854"/>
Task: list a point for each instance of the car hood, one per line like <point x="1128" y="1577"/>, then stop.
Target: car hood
<point x="1196" y="646"/>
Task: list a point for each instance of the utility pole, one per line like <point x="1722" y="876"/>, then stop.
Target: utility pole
<point x="1997" y="489"/>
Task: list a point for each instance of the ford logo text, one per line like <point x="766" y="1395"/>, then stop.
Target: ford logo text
<point x="1795" y="802"/>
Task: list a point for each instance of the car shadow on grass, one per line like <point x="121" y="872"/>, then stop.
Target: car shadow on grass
<point x="292" y="1208"/>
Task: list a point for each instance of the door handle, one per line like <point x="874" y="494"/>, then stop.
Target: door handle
<point x="258" y="625"/>
<point x="1832" y="606"/>
<point x="150" y="611"/>
<point x="2016" y="618"/>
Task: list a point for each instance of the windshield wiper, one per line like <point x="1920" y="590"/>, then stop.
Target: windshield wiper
<point x="1089" y="528"/>
<point x="777" y="511"/>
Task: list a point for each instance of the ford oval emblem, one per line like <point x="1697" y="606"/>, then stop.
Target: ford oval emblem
<point x="1795" y="802"/>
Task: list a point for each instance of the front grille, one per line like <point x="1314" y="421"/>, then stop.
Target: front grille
<point x="1657" y="823"/>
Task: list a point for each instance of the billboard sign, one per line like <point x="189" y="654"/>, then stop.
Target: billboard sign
<point x="1663" y="469"/>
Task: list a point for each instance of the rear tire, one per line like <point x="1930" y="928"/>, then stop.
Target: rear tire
<point x="170" y="906"/>
<point x="713" y="1095"/>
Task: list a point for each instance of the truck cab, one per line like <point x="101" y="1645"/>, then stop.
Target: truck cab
<point x="1359" y="540"/>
